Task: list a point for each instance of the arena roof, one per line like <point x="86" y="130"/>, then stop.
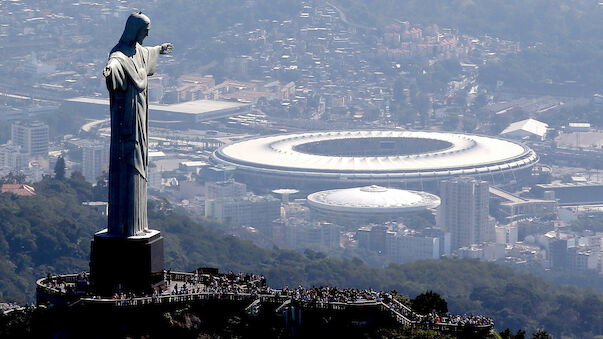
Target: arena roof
<point x="526" y="127"/>
<point x="372" y="199"/>
<point x="202" y="110"/>
<point x="376" y="154"/>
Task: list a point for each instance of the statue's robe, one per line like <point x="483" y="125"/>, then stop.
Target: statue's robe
<point x="126" y="78"/>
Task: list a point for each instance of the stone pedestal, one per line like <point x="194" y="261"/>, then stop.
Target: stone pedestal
<point x="130" y="264"/>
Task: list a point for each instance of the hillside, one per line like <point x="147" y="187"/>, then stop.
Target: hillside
<point x="560" y="39"/>
<point x="51" y="233"/>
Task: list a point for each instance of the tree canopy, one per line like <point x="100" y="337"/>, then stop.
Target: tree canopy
<point x="59" y="168"/>
<point x="428" y="302"/>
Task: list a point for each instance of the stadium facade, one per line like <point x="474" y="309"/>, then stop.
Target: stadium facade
<point x="392" y="158"/>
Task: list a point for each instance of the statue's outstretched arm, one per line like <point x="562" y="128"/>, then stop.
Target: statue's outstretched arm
<point x="166" y="48"/>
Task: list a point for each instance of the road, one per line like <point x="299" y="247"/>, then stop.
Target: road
<point x="345" y="19"/>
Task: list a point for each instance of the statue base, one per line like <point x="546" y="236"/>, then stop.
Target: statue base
<point x="132" y="264"/>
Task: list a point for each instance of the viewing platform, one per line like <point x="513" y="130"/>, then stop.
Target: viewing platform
<point x="250" y="293"/>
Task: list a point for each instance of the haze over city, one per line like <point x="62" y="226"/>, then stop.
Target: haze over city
<point x="439" y="163"/>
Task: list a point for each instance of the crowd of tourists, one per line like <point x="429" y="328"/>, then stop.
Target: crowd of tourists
<point x="333" y="294"/>
<point x="212" y="283"/>
<point x="241" y="283"/>
<point x="60" y="284"/>
<point x="461" y="320"/>
<point x="326" y="294"/>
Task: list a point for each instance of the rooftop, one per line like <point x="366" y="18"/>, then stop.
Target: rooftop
<point x="19" y="189"/>
<point x="207" y="108"/>
<point x="378" y="151"/>
<point x="374" y="199"/>
<point x="529" y="125"/>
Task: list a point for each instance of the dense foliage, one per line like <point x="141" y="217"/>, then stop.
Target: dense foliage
<point x="51" y="232"/>
<point x="428" y="302"/>
<point x="594" y="223"/>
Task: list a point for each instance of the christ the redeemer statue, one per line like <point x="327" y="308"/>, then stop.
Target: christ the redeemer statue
<point x="128" y="256"/>
<point x="126" y="74"/>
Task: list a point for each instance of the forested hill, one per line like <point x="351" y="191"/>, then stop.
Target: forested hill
<point x="51" y="232"/>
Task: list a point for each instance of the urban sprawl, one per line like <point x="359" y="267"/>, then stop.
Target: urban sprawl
<point x="318" y="72"/>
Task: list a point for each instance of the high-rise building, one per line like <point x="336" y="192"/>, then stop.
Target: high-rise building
<point x="224" y="189"/>
<point x="506" y="234"/>
<point x="464" y="211"/>
<point x="95" y="159"/>
<point x="404" y="245"/>
<point x="12" y="158"/>
<point x="250" y="210"/>
<point x="299" y="233"/>
<point x="32" y="136"/>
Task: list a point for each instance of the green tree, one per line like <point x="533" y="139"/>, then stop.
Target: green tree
<point x="429" y="302"/>
<point x="59" y="169"/>
<point x="101" y="190"/>
<point x="541" y="334"/>
<point x="77" y="176"/>
<point x="13" y="178"/>
<point x="508" y="334"/>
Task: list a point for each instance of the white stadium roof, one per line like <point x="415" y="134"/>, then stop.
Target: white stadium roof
<point x="457" y="154"/>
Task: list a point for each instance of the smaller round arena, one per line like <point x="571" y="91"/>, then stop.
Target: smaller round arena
<point x="369" y="204"/>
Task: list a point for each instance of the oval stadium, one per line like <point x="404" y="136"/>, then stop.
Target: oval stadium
<point x="391" y="158"/>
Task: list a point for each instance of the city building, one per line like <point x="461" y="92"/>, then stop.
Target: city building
<point x="411" y="245"/>
<point x="31" y="136"/>
<point x="374" y="238"/>
<point x="579" y="127"/>
<point x="404" y="245"/>
<point x="506" y="234"/>
<point x="216" y="173"/>
<point x="485" y="251"/>
<point x="529" y="128"/>
<point x="95" y="159"/>
<point x="580" y="193"/>
<point x="512" y="207"/>
<point x="188" y="113"/>
<point x="224" y="189"/>
<point x="12" y="158"/>
<point x="101" y="207"/>
<point x="464" y="211"/>
<point x="569" y="252"/>
<point x="582" y="259"/>
<point x="250" y="210"/>
<point x="299" y="233"/>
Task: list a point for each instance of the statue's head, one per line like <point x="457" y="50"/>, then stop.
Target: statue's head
<point x="137" y="28"/>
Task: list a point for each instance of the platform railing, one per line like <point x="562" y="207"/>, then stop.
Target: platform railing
<point x="400" y="313"/>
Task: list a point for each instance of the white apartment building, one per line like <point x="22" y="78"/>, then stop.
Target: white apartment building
<point x="95" y="160"/>
<point x="32" y="136"/>
<point x="464" y="211"/>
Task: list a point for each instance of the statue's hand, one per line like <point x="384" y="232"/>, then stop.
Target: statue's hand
<point x="166" y="48"/>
